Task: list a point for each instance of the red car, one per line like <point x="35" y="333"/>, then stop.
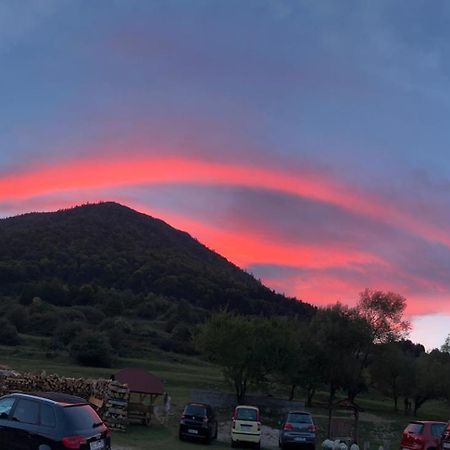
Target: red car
<point x="422" y="435"/>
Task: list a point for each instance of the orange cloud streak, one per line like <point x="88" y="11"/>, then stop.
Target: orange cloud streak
<point x="100" y="173"/>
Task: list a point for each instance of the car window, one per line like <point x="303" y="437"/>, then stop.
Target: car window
<point x="82" y="417"/>
<point x="195" y="410"/>
<point x="48" y="418"/>
<point x="246" y="414"/>
<point x="437" y="429"/>
<point x="299" y="418"/>
<point x="415" y="428"/>
<point x="5" y="406"/>
<point x="27" y="411"/>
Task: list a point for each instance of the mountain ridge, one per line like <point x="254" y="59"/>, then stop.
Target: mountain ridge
<point x="109" y="232"/>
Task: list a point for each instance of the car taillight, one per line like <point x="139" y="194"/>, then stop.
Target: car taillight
<point x="205" y="421"/>
<point x="73" y="441"/>
<point x="312" y="428"/>
<point x="108" y="433"/>
<point x="233" y="424"/>
<point x="288" y="426"/>
<point x="259" y="426"/>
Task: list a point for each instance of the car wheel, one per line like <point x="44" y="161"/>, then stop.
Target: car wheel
<point x="207" y="439"/>
<point x="233" y="444"/>
<point x="217" y="431"/>
<point x="258" y="446"/>
<point x="180" y="436"/>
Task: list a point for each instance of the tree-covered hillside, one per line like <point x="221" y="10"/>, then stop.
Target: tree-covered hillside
<point x="98" y="263"/>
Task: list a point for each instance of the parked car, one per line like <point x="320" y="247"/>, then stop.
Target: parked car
<point x="422" y="435"/>
<point x="297" y="430"/>
<point x="50" y="421"/>
<point x="246" y="426"/>
<point x="198" y="421"/>
<point x="445" y="438"/>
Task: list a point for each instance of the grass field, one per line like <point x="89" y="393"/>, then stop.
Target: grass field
<point x="379" y="425"/>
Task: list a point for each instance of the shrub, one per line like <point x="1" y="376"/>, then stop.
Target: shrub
<point x="92" y="348"/>
<point x="66" y="333"/>
<point x="8" y="333"/>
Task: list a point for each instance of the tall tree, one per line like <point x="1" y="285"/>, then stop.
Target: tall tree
<point x="244" y="347"/>
<point x="446" y="345"/>
<point x="382" y="313"/>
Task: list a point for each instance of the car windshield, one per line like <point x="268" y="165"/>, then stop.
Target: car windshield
<point x="414" y="428"/>
<point x="82" y="417"/>
<point x="299" y="418"/>
<point x="195" y="410"/>
<point x="246" y="414"/>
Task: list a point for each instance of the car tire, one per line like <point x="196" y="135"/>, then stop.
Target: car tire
<point x="207" y="439"/>
<point x="217" y="431"/>
<point x="233" y="444"/>
<point x="180" y="436"/>
<point x="258" y="446"/>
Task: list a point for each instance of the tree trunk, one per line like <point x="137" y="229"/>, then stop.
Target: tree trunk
<point x="330" y="408"/>
<point x="407" y="406"/>
<point x="418" y="402"/>
<point x="292" y="392"/>
<point x="309" y="396"/>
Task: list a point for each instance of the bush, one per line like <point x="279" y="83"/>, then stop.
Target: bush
<point x="92" y="348"/>
<point x="43" y="324"/>
<point x="18" y="316"/>
<point x="8" y="333"/>
<point x="93" y="315"/>
<point x="66" y="333"/>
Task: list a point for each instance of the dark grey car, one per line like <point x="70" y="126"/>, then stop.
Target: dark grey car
<point x="297" y="430"/>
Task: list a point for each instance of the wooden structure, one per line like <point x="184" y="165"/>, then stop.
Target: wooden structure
<point x="144" y="388"/>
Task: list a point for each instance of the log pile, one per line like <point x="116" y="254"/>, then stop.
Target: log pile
<point x="116" y="406"/>
<point x="108" y="397"/>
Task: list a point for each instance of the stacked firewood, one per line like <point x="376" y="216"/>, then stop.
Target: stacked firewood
<point x="115" y="412"/>
<point x="108" y="397"/>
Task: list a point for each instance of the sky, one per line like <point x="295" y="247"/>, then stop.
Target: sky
<point x="306" y="141"/>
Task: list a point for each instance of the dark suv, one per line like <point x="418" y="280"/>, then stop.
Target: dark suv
<point x="50" y="421"/>
<point x="198" y="421"/>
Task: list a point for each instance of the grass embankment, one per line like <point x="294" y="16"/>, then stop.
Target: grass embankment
<point x="379" y="425"/>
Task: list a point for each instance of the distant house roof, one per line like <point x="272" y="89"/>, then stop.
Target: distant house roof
<point x="141" y="381"/>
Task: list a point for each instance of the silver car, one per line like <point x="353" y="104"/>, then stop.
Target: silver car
<point x="297" y="430"/>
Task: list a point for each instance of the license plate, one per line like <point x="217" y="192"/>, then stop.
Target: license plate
<point x="446" y="445"/>
<point x="97" y="445"/>
<point x="193" y="431"/>
<point x="300" y="439"/>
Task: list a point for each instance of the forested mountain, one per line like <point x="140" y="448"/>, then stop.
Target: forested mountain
<point x="103" y="261"/>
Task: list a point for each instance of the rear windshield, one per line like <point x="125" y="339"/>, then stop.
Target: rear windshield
<point x="82" y="417"/>
<point x="299" y="418"/>
<point x="246" y="414"/>
<point x="415" y="428"/>
<point x="437" y="429"/>
<point x="195" y="410"/>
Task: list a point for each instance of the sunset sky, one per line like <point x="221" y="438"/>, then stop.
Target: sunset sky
<point x="306" y="141"/>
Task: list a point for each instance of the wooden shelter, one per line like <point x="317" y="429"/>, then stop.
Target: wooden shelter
<point x="144" y="390"/>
